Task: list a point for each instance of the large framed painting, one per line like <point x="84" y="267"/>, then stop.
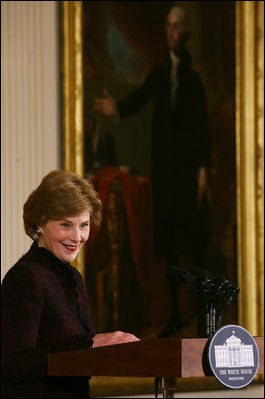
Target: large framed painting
<point x="108" y="48"/>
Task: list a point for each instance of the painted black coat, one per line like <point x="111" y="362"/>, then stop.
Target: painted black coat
<point x="181" y="144"/>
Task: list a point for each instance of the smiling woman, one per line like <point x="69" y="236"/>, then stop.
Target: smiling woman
<point x="64" y="238"/>
<point x="44" y="303"/>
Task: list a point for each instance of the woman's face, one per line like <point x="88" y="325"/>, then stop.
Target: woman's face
<point x="65" y="237"/>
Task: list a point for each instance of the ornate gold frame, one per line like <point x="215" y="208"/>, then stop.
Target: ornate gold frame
<point x="249" y="142"/>
<point x="250" y="157"/>
<point x="72" y="95"/>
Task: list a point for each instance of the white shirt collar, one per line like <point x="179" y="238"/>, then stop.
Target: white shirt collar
<point x="174" y="58"/>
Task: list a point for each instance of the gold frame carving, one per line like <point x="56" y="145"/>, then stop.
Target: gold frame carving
<point x="72" y="95"/>
<point x="250" y="158"/>
<point x="249" y="142"/>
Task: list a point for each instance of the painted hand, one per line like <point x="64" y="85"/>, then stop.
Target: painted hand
<point x="105" y="106"/>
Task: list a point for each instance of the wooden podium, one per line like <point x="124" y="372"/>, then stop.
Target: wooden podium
<point x="163" y="357"/>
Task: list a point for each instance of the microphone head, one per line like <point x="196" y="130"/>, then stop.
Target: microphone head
<point x="221" y="285"/>
<point x="189" y="275"/>
<point x="215" y="288"/>
<point x="177" y="273"/>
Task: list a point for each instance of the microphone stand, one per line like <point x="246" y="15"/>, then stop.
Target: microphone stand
<point x="205" y="287"/>
<point x="167" y="385"/>
<point x="210" y="319"/>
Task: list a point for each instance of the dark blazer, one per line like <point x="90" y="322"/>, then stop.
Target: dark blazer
<point x="44" y="310"/>
<point x="181" y="143"/>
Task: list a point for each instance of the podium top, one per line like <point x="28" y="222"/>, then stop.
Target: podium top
<point x="162" y="357"/>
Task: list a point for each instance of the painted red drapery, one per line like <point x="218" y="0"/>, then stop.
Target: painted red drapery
<point x="136" y="192"/>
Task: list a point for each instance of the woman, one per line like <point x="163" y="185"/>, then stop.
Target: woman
<point x="44" y="304"/>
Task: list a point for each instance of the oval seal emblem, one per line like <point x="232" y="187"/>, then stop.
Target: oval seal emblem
<point x="233" y="356"/>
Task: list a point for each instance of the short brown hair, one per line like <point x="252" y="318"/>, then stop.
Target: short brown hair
<point x="60" y="194"/>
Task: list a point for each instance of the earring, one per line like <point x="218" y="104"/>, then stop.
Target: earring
<point x="36" y="234"/>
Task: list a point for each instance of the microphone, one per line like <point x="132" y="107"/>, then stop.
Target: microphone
<point x="217" y="290"/>
<point x="216" y="287"/>
<point x="234" y="293"/>
<point x="189" y="275"/>
<point x="221" y="285"/>
<point x="203" y="284"/>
